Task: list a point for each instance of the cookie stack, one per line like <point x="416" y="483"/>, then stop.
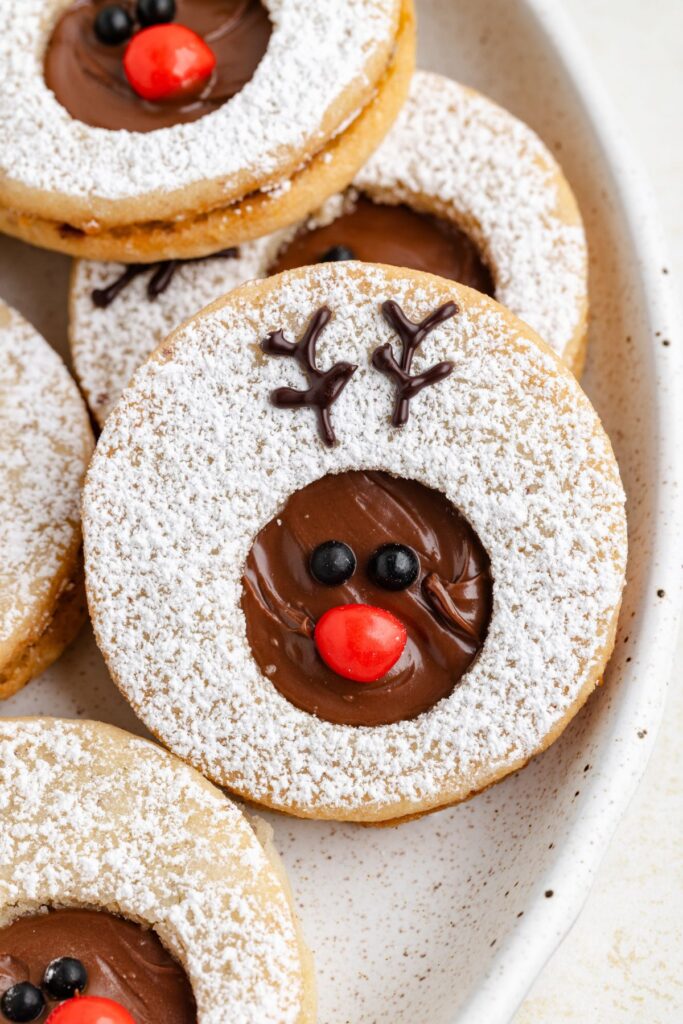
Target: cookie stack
<point x="354" y="537"/>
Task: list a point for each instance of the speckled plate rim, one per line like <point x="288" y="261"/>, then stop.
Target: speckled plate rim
<point x="624" y="759"/>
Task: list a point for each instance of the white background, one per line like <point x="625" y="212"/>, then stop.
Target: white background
<point x="623" y="961"/>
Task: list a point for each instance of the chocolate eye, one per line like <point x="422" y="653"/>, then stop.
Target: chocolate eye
<point x="337" y="254"/>
<point x="22" y="1002"/>
<point x="394" y="566"/>
<point x="332" y="563"/>
<point x="113" y="25"/>
<point x="65" y="977"/>
<point x="155" y="12"/>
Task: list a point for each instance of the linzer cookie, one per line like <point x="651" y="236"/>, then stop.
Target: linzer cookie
<point x="133" y="892"/>
<point x="355" y="542"/>
<point x="460" y="188"/>
<point x="45" y="446"/>
<point x="175" y="128"/>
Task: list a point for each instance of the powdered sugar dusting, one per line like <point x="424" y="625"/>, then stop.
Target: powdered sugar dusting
<point x="195" y="460"/>
<point x="45" y="445"/>
<point x="317" y="50"/>
<point x="94" y="817"/>
<point x="492" y="169"/>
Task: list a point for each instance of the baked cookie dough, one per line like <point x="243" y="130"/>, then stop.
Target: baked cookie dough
<point x="332" y="79"/>
<point x="204" y="522"/>
<point x="459" y="188"/>
<point x="121" y="857"/>
<point x="45" y="447"/>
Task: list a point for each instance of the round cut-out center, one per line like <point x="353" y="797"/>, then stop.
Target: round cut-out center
<point x="123" y="961"/>
<point x="87" y="75"/>
<point x="397" y="235"/>
<point x="445" y="608"/>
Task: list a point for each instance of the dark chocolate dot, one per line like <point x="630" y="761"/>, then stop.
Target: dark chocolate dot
<point x="332" y="563"/>
<point x="394" y="566"/>
<point x="22" y="1002"/>
<point x="660" y="593"/>
<point x="155" y="12"/>
<point x="65" y="977"/>
<point x="337" y="253"/>
<point x="549" y="893"/>
<point x="113" y="25"/>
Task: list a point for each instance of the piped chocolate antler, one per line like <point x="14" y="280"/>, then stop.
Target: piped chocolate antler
<point x="325" y="387"/>
<point x="412" y="335"/>
<point x="163" y="273"/>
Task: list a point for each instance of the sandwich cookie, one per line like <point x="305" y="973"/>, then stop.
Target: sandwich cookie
<point x="45" y="447"/>
<point x="133" y="892"/>
<point x="355" y="542"/>
<point x="174" y="129"/>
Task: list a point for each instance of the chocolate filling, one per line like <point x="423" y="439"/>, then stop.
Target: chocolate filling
<point x="87" y="76"/>
<point x="397" y="235"/>
<point x="446" y="611"/>
<point x="124" y="962"/>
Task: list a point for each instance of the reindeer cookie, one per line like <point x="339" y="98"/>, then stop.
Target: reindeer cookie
<point x="460" y="188"/>
<point x="133" y="892"/>
<point x="45" y="446"/>
<point x="355" y="542"/>
<point x="173" y="128"/>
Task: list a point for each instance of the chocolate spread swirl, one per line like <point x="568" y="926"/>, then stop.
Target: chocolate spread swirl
<point x="397" y="235"/>
<point x="124" y="962"/>
<point x="87" y="76"/>
<point x="446" y="611"/>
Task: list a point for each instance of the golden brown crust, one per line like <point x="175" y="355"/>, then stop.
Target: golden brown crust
<point x="212" y="225"/>
<point x="42" y="648"/>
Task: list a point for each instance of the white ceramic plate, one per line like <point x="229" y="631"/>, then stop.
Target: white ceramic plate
<point x="449" y="919"/>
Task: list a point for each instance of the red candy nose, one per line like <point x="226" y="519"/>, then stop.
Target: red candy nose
<point x="359" y="641"/>
<point x="90" y="1010"/>
<point x="166" y="61"/>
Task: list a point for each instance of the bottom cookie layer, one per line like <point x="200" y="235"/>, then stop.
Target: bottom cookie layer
<point x="256" y="215"/>
<point x="61" y="629"/>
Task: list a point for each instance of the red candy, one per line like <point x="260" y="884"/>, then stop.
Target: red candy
<point x="164" y="62"/>
<point x="90" y="1010"/>
<point x="359" y="641"/>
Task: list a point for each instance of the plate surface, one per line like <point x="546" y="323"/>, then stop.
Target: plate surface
<point x="450" y="918"/>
